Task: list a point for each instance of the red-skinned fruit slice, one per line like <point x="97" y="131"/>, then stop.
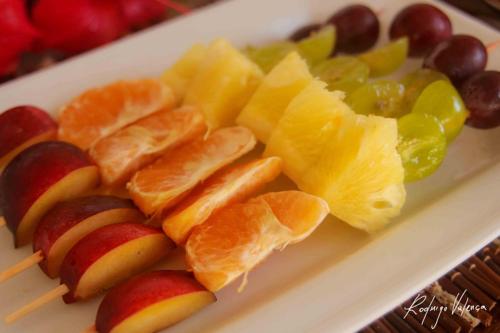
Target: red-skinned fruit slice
<point x="151" y="302"/>
<point x="22" y="127"/>
<point x="38" y="178"/>
<point x="110" y="255"/>
<point x="68" y="222"/>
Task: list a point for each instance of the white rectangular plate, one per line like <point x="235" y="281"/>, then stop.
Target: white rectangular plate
<point x="339" y="279"/>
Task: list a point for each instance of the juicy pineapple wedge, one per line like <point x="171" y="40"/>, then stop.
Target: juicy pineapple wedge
<point x="225" y="81"/>
<point x="349" y="160"/>
<point x="181" y="74"/>
<point x="279" y="87"/>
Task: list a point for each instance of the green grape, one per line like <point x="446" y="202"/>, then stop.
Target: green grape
<point x="441" y="100"/>
<point x="386" y="59"/>
<point x="342" y="73"/>
<point x="382" y="98"/>
<point x="422" y="145"/>
<point x="415" y="82"/>
<point x="268" y="56"/>
<point x="318" y="46"/>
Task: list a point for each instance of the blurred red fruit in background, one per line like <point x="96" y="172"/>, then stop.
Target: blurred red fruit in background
<point x="16" y="34"/>
<point x="74" y="26"/>
<point x="140" y="13"/>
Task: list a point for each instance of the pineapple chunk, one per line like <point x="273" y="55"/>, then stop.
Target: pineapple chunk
<point x="349" y="160"/>
<point x="223" y="85"/>
<point x="278" y="88"/>
<point x="180" y="75"/>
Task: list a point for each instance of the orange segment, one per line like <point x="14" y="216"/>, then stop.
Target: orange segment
<point x="223" y="188"/>
<point x="133" y="147"/>
<point x="232" y="242"/>
<point x="102" y="111"/>
<point x="235" y="239"/>
<point x="163" y="183"/>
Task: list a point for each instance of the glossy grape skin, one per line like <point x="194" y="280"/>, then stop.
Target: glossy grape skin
<point x="425" y="26"/>
<point x="267" y="56"/>
<point x="422" y="145"/>
<point x="440" y="99"/>
<point x="459" y="58"/>
<point x="415" y="82"/>
<point x="386" y="59"/>
<point x="481" y="95"/>
<point x="318" y="46"/>
<point x="357" y="28"/>
<point x="381" y="98"/>
<point x="305" y="32"/>
<point x="343" y="73"/>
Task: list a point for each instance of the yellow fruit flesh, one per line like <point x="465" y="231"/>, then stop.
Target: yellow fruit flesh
<point x="180" y="75"/>
<point x="279" y="87"/>
<point x="223" y="85"/>
<point x="349" y="160"/>
<point x="165" y="313"/>
<point x="122" y="262"/>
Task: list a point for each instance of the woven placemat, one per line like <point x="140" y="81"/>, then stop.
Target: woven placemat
<point x="463" y="300"/>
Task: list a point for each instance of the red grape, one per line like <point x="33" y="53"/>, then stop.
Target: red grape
<point x="357" y="28"/>
<point x="425" y="26"/>
<point x="305" y="32"/>
<point x="141" y="13"/>
<point x="459" y="58"/>
<point x="481" y="94"/>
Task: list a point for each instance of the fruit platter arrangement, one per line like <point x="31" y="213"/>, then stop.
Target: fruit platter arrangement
<point x="195" y="158"/>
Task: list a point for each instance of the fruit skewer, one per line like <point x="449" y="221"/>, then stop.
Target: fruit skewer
<point x="96" y="262"/>
<point x="159" y="299"/>
<point x="37" y="179"/>
<point x="67" y="223"/>
<point x="255" y="228"/>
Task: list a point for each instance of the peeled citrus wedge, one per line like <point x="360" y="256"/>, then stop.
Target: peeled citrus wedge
<point x="224" y="83"/>
<point x="102" y="111"/>
<point x="278" y="88"/>
<point x="235" y="239"/>
<point x="182" y="72"/>
<point x="133" y="147"/>
<point x="163" y="183"/>
<point x="349" y="160"/>
<point x="223" y="188"/>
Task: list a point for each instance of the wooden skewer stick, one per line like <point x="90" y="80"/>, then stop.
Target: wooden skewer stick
<point x="44" y="299"/>
<point x="2" y="221"/>
<point x="34" y="259"/>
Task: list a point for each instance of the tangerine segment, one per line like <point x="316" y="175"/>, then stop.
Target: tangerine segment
<point x="232" y="242"/>
<point x="235" y="239"/>
<point x="299" y="211"/>
<point x="102" y="111"/>
<point x="133" y="147"/>
<point x="223" y="188"/>
<point x="163" y="183"/>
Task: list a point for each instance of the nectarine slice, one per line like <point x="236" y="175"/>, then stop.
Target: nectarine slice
<point x="22" y="127"/>
<point x="162" y="184"/>
<point x="151" y="302"/>
<point x="102" y="111"/>
<point x="38" y="178"/>
<point x="235" y="239"/>
<point x="110" y="255"/>
<point x="133" y="147"/>
<point x="223" y="188"/>
<point x="68" y="222"/>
